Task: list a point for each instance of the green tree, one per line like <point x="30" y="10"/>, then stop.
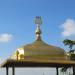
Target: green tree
<point x="69" y="43"/>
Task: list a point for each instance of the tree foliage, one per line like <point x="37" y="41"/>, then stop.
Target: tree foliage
<point x="69" y="43"/>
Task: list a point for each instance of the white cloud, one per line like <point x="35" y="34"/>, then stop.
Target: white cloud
<point x="6" y="37"/>
<point x="1" y="61"/>
<point x="68" y="27"/>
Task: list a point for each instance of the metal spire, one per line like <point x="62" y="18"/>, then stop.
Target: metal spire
<point x="38" y="22"/>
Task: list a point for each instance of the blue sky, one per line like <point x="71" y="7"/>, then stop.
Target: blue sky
<point x="17" y="23"/>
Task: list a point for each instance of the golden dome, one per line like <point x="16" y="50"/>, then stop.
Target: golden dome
<point x="39" y="49"/>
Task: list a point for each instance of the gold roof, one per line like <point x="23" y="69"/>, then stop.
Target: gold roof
<point x="39" y="54"/>
<point x="39" y="49"/>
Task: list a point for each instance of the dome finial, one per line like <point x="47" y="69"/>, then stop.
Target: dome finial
<point x="38" y="22"/>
